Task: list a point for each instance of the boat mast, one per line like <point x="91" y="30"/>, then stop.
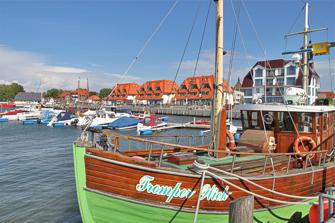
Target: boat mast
<point x="305" y="57"/>
<point x="218" y="120"/>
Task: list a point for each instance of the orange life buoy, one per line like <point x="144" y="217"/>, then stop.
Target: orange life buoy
<point x="231" y="140"/>
<point x="303" y="139"/>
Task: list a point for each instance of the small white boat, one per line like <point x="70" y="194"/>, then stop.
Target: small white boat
<point x="149" y="125"/>
<point x="62" y="119"/>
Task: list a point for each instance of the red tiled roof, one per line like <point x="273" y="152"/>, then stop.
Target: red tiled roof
<point x="328" y="94"/>
<point x="64" y="94"/>
<point x="122" y="91"/>
<point x="94" y="98"/>
<point x="81" y="92"/>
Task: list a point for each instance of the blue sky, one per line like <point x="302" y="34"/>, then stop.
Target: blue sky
<point x="51" y="43"/>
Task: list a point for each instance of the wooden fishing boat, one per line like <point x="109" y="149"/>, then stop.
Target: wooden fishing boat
<point x="284" y="158"/>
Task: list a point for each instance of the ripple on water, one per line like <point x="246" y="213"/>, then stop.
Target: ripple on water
<point x="36" y="174"/>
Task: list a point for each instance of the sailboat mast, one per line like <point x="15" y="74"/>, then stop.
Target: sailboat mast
<point x="305" y="65"/>
<point x="217" y="140"/>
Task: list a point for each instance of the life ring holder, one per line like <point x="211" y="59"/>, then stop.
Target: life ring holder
<point x="304" y="139"/>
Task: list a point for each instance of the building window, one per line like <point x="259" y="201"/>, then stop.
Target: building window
<point x="269" y="82"/>
<point x="205" y="86"/>
<point x="149" y="88"/>
<point x="280" y="81"/>
<point x="270" y="72"/>
<point x="193" y="86"/>
<point x="183" y="87"/>
<point x="260" y="90"/>
<point x="258" y="72"/>
<point x="158" y="88"/>
<point x="141" y="89"/>
<point x="247" y="100"/>
<point x="290" y="70"/>
<point x="290" y="81"/>
<point x="248" y="92"/>
<point x="258" y="82"/>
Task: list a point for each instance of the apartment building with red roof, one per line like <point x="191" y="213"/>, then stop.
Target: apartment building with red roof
<point x="124" y="93"/>
<point x="157" y="92"/>
<point x="268" y="80"/>
<point x="200" y="90"/>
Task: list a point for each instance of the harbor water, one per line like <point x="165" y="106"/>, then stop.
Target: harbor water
<point x="36" y="172"/>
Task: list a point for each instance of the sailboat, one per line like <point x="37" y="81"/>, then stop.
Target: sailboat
<point x="285" y="158"/>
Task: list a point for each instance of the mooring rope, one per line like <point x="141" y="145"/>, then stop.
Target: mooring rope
<point x="207" y="168"/>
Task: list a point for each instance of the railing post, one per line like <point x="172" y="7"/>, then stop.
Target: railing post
<point x="195" y="220"/>
<point x="233" y="164"/>
<point x="288" y="164"/>
<point x="265" y="163"/>
<point x="150" y="151"/>
<point x="161" y="156"/>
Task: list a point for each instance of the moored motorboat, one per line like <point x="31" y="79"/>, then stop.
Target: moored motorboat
<point x="62" y="119"/>
<point x="149" y="124"/>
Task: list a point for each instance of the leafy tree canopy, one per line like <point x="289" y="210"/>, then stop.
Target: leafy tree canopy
<point x="105" y="92"/>
<point x="8" y="91"/>
<point x="53" y="93"/>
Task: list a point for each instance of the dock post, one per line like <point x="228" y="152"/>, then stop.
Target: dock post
<point x="241" y="210"/>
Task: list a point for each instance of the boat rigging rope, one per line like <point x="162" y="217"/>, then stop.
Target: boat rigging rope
<point x="293" y="24"/>
<point x="202" y="38"/>
<point x="329" y="66"/>
<point x="187" y="42"/>
<point x="207" y="168"/>
<point x="232" y="50"/>
<point x="151" y="37"/>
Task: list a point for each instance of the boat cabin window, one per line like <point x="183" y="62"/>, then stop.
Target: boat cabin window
<point x="305" y="121"/>
<point x="285" y="123"/>
<point x="269" y="121"/>
<point x="244" y="119"/>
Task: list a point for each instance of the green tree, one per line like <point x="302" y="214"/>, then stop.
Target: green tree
<point x="93" y="93"/>
<point x="53" y="93"/>
<point x="8" y="91"/>
<point x="105" y="92"/>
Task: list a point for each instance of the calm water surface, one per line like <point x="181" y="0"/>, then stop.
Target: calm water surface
<point x="36" y="172"/>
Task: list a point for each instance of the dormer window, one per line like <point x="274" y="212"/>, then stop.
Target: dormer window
<point x="258" y="72"/>
<point x="194" y="86"/>
<point x="205" y="86"/>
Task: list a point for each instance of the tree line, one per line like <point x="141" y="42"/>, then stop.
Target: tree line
<point x="9" y="91"/>
<point x="54" y="93"/>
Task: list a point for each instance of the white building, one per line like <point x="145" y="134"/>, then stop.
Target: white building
<point x="267" y="82"/>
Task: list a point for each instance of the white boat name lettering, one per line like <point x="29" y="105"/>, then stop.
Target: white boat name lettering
<point x="208" y="192"/>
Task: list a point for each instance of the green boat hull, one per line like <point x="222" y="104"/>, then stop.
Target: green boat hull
<point x="96" y="208"/>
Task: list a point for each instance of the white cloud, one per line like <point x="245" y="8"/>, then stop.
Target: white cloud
<point x="34" y="73"/>
<point x="31" y="70"/>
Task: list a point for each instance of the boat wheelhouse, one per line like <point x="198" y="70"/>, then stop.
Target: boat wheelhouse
<point x="288" y="122"/>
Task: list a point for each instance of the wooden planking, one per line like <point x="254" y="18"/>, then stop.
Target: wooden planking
<point x="120" y="180"/>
